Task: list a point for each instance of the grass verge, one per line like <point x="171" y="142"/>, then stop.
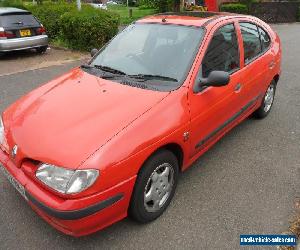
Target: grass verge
<point x="137" y="13"/>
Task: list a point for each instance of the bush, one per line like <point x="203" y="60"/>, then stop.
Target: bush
<point x="148" y="4"/>
<point x="90" y="28"/>
<point x="84" y="30"/>
<point x="161" y="5"/>
<point x="49" y="14"/>
<point x="15" y="4"/>
<point x="145" y="7"/>
<point x="235" y="8"/>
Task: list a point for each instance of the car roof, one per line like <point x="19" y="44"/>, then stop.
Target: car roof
<point x="6" y="10"/>
<point x="199" y="18"/>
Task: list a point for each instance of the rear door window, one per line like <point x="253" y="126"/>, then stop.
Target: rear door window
<point x="265" y="39"/>
<point x="251" y="41"/>
<point x="18" y="21"/>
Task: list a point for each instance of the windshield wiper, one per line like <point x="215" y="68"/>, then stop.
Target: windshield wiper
<point x="86" y="66"/>
<point x="138" y="85"/>
<point x="150" y="77"/>
<point x="105" y="74"/>
<point x="109" y="69"/>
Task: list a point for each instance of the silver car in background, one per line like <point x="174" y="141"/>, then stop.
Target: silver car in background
<point x="99" y="6"/>
<point x="20" y="30"/>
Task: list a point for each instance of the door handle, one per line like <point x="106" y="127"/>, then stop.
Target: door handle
<point x="238" y="87"/>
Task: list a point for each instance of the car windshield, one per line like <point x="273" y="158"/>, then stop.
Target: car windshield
<point x="159" y="54"/>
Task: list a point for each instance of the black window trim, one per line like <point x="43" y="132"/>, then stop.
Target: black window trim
<point x="262" y="52"/>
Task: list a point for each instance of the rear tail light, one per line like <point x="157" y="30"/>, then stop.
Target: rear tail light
<point x="10" y="34"/>
<point x="2" y="33"/>
<point x="6" y="34"/>
<point x="41" y="31"/>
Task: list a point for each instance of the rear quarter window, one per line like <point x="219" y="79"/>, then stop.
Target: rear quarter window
<point x="18" y="20"/>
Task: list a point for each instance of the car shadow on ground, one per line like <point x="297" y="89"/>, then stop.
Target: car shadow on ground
<point x="20" y="54"/>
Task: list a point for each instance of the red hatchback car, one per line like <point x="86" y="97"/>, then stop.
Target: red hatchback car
<point x="110" y="138"/>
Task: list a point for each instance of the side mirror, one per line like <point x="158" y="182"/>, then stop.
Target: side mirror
<point x="214" y="79"/>
<point x="94" y="52"/>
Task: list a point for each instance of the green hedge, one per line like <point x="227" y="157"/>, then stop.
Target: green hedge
<point x="90" y="28"/>
<point x="235" y="8"/>
<point x="49" y="14"/>
<point x="10" y="3"/>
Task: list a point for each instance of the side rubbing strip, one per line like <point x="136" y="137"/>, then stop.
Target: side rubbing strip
<point x="230" y="120"/>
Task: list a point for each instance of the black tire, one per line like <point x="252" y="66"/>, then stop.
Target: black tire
<point x="42" y="49"/>
<point x="137" y="207"/>
<point x="262" y="112"/>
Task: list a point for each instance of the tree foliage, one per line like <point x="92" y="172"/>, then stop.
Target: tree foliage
<point x="162" y="5"/>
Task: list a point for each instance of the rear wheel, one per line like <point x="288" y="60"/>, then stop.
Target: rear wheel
<point x="267" y="102"/>
<point x="155" y="187"/>
<point x="42" y="49"/>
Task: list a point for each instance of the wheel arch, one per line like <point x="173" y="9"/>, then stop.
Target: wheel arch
<point x="177" y="150"/>
<point x="174" y="148"/>
<point x="276" y="78"/>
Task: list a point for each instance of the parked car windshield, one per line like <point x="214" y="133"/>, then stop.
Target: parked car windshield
<point x="160" y="53"/>
<point x="18" y="20"/>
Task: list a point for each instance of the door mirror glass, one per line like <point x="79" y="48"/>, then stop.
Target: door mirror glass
<point x="94" y="52"/>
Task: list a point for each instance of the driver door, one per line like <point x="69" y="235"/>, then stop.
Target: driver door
<point x="214" y="108"/>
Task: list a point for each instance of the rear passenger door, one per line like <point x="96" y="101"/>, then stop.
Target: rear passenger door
<point x="255" y="73"/>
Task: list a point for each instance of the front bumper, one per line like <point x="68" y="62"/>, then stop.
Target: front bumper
<point x="76" y="217"/>
<point x="23" y="43"/>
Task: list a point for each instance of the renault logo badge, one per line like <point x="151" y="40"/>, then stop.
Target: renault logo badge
<point x="14" y="151"/>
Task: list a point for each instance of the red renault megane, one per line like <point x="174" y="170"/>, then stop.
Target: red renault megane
<point x="110" y="138"/>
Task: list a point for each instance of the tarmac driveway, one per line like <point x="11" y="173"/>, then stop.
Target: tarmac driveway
<point x="20" y="61"/>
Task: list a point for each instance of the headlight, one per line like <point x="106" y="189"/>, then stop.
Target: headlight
<point x="66" y="181"/>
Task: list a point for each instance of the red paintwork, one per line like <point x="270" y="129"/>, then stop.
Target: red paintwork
<point x="211" y="5"/>
<point x="80" y="121"/>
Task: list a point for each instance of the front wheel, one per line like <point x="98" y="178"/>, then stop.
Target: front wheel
<point x="155" y="187"/>
<point x="267" y="102"/>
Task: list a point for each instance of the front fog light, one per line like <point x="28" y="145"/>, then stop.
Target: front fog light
<point x="66" y="181"/>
